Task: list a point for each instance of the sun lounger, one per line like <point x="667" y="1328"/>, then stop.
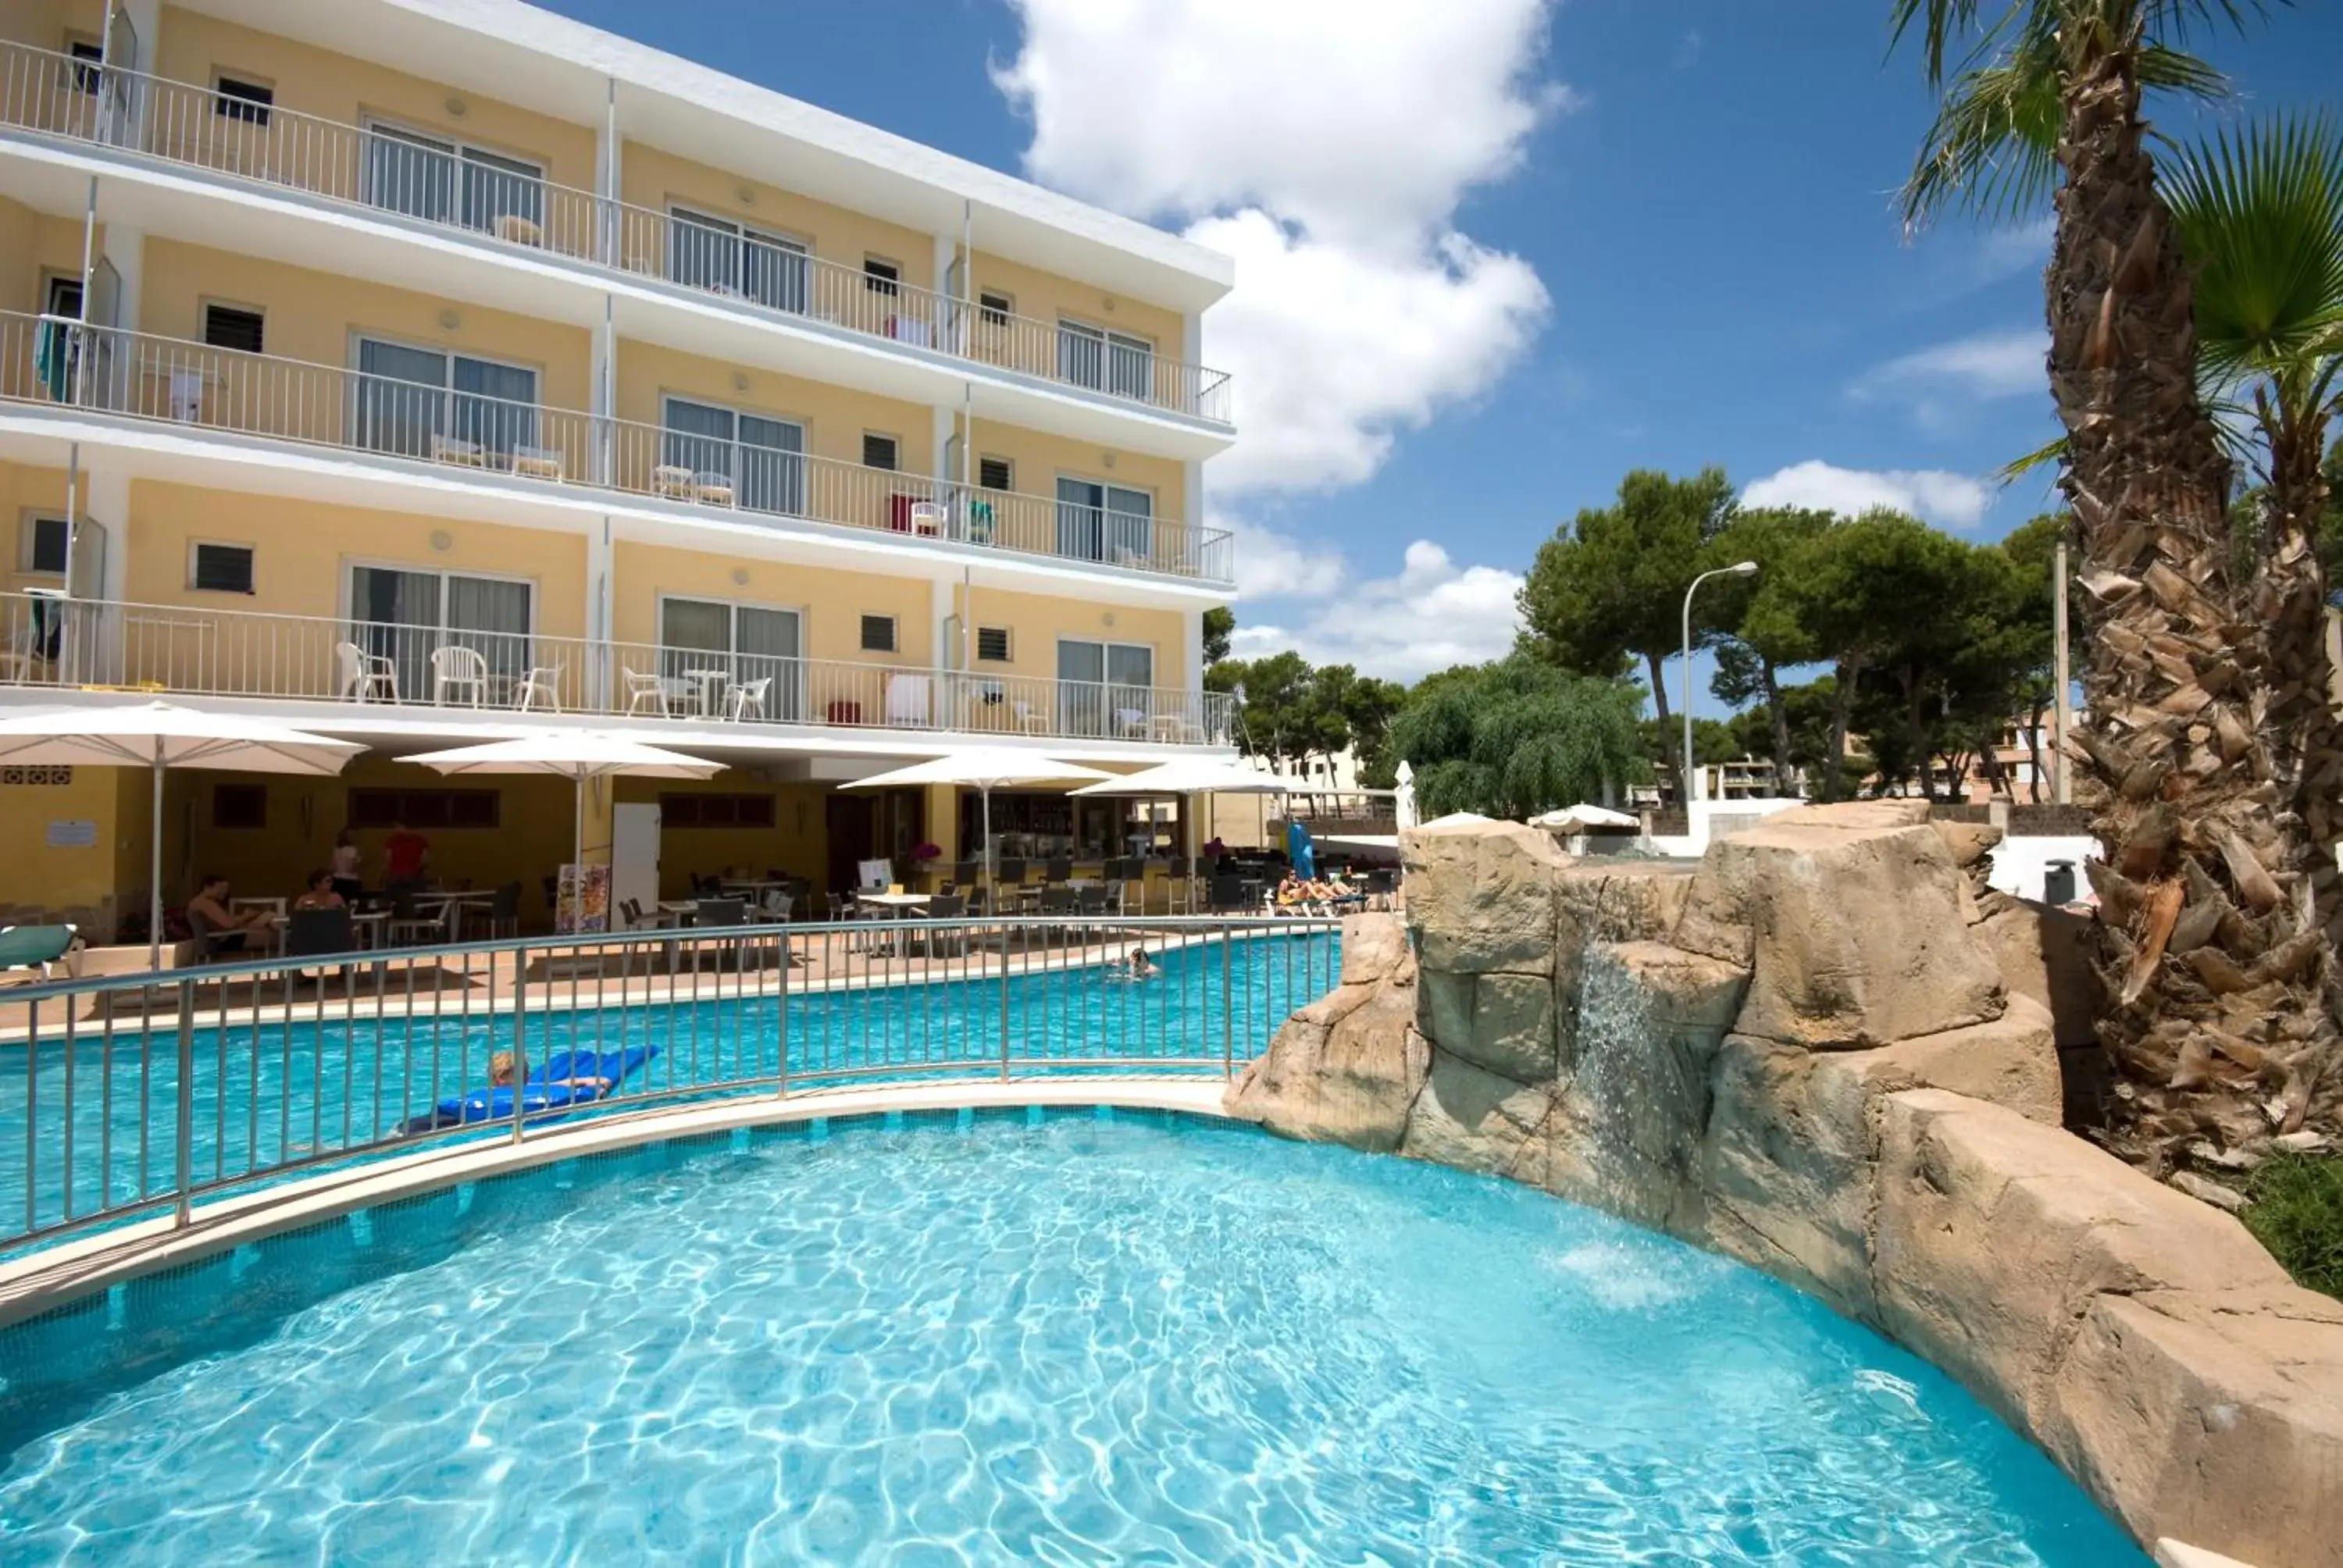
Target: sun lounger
<point x="30" y="948"/>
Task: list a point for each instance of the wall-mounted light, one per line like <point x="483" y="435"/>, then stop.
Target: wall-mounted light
<point x="457" y="108"/>
<point x="450" y="320"/>
<point x="442" y="540"/>
<point x="1106" y="459"/>
<point x="747" y="197"/>
<point x="739" y="381"/>
<point x="1106" y="303"/>
<point x="1107" y="620"/>
<point x="740" y="577"/>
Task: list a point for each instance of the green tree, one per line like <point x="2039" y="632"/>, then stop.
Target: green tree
<point x="2179" y="686"/>
<point x="1517" y="737"/>
<point x="1220" y="625"/>
<point x="1275" y="719"/>
<point x="1761" y="633"/>
<point x="1611" y="584"/>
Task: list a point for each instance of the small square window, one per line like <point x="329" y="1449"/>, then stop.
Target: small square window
<point x="881" y="277"/>
<point x="41" y="545"/>
<point x="246" y="101"/>
<point x="994" y="310"/>
<point x="993" y="474"/>
<point x="226" y="326"/>
<point x="221" y="569"/>
<point x="992" y="643"/>
<point x="878" y="634"/>
<point x="243" y="807"/>
<point x="86" y="56"/>
<point x="878" y="452"/>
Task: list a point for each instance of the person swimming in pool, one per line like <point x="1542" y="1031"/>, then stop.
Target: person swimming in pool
<point x="1142" y="967"/>
<point x="500" y="1075"/>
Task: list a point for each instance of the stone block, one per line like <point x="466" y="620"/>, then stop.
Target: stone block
<point x="2010" y="1061"/>
<point x="1478" y="1120"/>
<point x="2045" y="953"/>
<point x="1481" y="896"/>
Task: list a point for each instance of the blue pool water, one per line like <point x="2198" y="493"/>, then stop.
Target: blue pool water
<point x="322" y="1082"/>
<point x="1070" y="1339"/>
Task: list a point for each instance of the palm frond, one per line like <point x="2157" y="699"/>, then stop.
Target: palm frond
<point x="2259" y="213"/>
<point x="2016" y="468"/>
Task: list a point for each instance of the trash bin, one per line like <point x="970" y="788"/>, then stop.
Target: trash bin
<point x="2058" y="882"/>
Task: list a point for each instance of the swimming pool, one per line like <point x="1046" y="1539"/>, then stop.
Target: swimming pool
<point x="95" y="1123"/>
<point x="981" y="1338"/>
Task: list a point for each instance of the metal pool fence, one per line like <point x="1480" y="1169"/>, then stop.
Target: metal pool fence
<point x="134" y="1095"/>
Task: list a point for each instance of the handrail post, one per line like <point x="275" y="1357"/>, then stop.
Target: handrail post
<point x="182" y="1154"/>
<point x="781" y="1022"/>
<point x="1005" y="999"/>
<point x="1228" y="1012"/>
<point x="520" y="1036"/>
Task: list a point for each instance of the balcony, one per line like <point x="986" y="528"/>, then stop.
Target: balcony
<point x="59" y="645"/>
<point x="500" y="203"/>
<point x="194" y="388"/>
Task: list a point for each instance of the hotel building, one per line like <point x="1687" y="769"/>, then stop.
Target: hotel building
<point x="427" y="371"/>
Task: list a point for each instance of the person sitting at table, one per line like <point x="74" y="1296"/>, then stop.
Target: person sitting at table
<point x="500" y="1074"/>
<point x="225" y="930"/>
<point x="321" y="894"/>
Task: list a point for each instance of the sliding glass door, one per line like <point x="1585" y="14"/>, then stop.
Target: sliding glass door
<point x="1104" y="688"/>
<point x="443" y="181"/>
<point x="1105" y="361"/>
<point x="408" y="617"/>
<point x="710" y="649"/>
<point x="724" y="257"/>
<point x="1098" y="522"/>
<point x="448" y="408"/>
<point x="760" y="460"/>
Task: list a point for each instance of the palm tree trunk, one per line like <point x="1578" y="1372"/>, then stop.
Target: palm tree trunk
<point x="2213" y="972"/>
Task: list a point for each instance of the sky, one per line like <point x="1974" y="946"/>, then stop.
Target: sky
<point x="1494" y="254"/>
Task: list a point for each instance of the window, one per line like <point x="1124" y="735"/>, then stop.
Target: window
<point x="878" y="634"/>
<point x="737" y="659"/>
<point x="1101" y="522"/>
<point x="64" y="297"/>
<point x="246" y="101"/>
<point x="881" y="277"/>
<point x="680" y="810"/>
<point x="429" y="625"/>
<point x="994" y="310"/>
<point x="41" y="545"/>
<point x="444" y="181"/>
<point x="726" y="258"/>
<point x="993" y="474"/>
<point x="992" y="643"/>
<point x="426" y="809"/>
<point x="1104" y="688"/>
<point x="242" y="806"/>
<point x="220" y="569"/>
<point x="707" y="450"/>
<point x="1105" y="361"/>
<point x="226" y="326"/>
<point x="448" y="408"/>
<point x="87" y="57"/>
<point x="878" y="451"/>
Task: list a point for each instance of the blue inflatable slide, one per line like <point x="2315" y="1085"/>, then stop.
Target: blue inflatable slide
<point x="567" y="1081"/>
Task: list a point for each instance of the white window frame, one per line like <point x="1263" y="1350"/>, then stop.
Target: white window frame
<point x="351" y="565"/>
<point x="206" y="304"/>
<point x="455" y="146"/>
<point x="703" y="216"/>
<point x="195" y="545"/>
<point x="1105" y="644"/>
<point x="29" y="530"/>
<point x="448" y="355"/>
<point x="1107" y="339"/>
<point x="659" y="612"/>
<point x="250" y="79"/>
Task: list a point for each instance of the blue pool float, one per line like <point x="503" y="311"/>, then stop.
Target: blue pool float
<point x="547" y="1092"/>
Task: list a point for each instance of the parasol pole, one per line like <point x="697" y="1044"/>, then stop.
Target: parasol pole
<point x="154" y="869"/>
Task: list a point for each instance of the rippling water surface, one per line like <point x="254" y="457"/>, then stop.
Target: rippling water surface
<point x="1071" y="1341"/>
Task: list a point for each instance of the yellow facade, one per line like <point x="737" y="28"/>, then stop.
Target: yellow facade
<point x="660" y="182"/>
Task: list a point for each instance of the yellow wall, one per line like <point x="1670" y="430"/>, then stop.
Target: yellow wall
<point x="44" y="24"/>
<point x="22" y="489"/>
<point x="831" y="602"/>
<point x="31" y="245"/>
<point x="305" y="549"/>
<point x="316" y="316"/>
<point x="313" y="81"/>
<point x="655" y="179"/>
<point x="797" y="843"/>
<point x="835" y="417"/>
<point x="76" y="884"/>
<point x="1044" y="297"/>
<point x="1036" y="622"/>
<point x="1037" y="461"/>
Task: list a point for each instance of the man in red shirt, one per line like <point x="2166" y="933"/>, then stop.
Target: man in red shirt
<point x="405" y="855"/>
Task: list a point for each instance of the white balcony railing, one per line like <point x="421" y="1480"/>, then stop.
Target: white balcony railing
<point x="500" y="201"/>
<point x="62" y="644"/>
<point x="195" y="387"/>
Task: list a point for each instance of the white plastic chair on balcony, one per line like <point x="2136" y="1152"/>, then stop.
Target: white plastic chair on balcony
<point x="1031" y="719"/>
<point x="747" y="701"/>
<point x="1130" y="723"/>
<point x="455" y="670"/>
<point x="361" y="675"/>
<point x="645" y="691"/>
<point x="538" y="690"/>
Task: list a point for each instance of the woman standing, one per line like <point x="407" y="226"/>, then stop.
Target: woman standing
<point x="346" y="865"/>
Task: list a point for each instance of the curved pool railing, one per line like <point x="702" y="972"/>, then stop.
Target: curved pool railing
<point x="132" y="1096"/>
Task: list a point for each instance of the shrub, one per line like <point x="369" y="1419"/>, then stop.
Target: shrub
<point x="2298" y="1213"/>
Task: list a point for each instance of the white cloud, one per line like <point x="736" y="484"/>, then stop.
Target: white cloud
<point x="1326" y="145"/>
<point x="1270" y="563"/>
<point x="1432" y="615"/>
<point x="1955" y="500"/>
<point x="1987" y="364"/>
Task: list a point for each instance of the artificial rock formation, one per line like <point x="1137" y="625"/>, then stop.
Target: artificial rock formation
<point x="1827" y="1052"/>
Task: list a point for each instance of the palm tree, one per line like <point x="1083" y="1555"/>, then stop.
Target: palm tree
<point x="2260" y="212"/>
<point x="2216" y="1022"/>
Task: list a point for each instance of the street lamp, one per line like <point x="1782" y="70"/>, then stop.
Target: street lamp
<point x="1738" y="570"/>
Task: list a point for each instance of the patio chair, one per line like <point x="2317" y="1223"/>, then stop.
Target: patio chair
<point x="210" y="944"/>
<point x="1058" y="905"/>
<point x="319" y="933"/>
<point x="1226" y="896"/>
<point x="672" y="480"/>
<point x="946" y="906"/>
<point x="718" y="914"/>
<point x="1130" y="723"/>
<point x="1031" y="719"/>
<point x="644" y="690"/>
<point x="1058" y="868"/>
<point x="1382" y="883"/>
<point x="537" y="462"/>
<point x="405" y="929"/>
<point x="504" y="912"/>
<point x="1094" y="903"/>
<point x="747" y="701"/>
<point x="360" y="675"/>
<point x="539" y="689"/>
<point x="34" y="948"/>
<point x="457" y="669"/>
<point x="455" y="450"/>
